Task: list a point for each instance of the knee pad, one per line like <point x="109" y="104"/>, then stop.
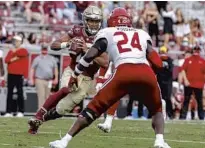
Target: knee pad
<point x="89" y="115"/>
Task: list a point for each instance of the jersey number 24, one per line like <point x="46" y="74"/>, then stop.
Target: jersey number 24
<point x="135" y="43"/>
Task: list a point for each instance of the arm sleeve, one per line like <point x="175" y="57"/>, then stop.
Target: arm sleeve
<point x="153" y="57"/>
<point x="21" y="53"/>
<point x="35" y="63"/>
<point x="96" y="50"/>
<point x="101" y="44"/>
<point x="9" y="56"/>
<point x="54" y="62"/>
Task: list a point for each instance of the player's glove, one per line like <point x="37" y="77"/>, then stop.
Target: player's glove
<point x="73" y="82"/>
<point x="99" y="84"/>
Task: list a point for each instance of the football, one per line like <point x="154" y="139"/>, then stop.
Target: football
<point x="76" y="45"/>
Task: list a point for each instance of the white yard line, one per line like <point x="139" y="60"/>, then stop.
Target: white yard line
<point x="122" y="137"/>
<point x="118" y="137"/>
<point x="6" y="144"/>
<point x="152" y="139"/>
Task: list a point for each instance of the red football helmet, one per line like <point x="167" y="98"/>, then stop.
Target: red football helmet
<point x="119" y="17"/>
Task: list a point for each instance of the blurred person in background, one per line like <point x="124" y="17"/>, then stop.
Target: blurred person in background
<point x="161" y="5"/>
<point x="3" y="33"/>
<point x="164" y="78"/>
<point x="44" y="39"/>
<point x="169" y="19"/>
<point x="34" y="11"/>
<point x="182" y="27"/>
<point x="80" y="7"/>
<point x="44" y="74"/>
<point x="17" y="64"/>
<point x="197" y="31"/>
<point x="2" y="81"/>
<point x="32" y="38"/>
<point x="63" y="11"/>
<point x="151" y="17"/>
<point x="192" y="75"/>
<point x="140" y="23"/>
<point x="49" y="8"/>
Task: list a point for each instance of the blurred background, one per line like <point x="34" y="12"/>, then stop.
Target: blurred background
<point x="175" y="27"/>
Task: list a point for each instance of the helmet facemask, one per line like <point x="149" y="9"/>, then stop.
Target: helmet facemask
<point x="92" y="25"/>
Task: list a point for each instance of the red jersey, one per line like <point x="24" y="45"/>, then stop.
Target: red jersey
<point x="20" y="66"/>
<point x="79" y="31"/>
<point x="194" y="67"/>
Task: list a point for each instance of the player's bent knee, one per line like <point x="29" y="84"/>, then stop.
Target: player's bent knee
<point x="61" y="110"/>
<point x="89" y="114"/>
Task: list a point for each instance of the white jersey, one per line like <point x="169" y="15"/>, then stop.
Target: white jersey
<point x="125" y="44"/>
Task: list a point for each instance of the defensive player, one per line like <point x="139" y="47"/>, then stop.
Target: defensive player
<point x="129" y="49"/>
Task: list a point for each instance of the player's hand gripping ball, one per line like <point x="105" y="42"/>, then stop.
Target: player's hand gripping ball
<point x="78" y="45"/>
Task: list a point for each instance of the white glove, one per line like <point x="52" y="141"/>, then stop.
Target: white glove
<point x="98" y="86"/>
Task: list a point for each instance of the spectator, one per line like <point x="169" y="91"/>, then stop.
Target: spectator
<point x="3" y="33"/>
<point x="164" y="78"/>
<point x="49" y="8"/>
<point x="45" y="39"/>
<point x="151" y="16"/>
<point x="17" y="62"/>
<point x="2" y="81"/>
<point x="44" y="69"/>
<point x="161" y="5"/>
<point x="62" y="10"/>
<point x="34" y="11"/>
<point x="169" y="19"/>
<point x="80" y="7"/>
<point x="197" y="31"/>
<point x="192" y="74"/>
<point x="182" y="28"/>
<point x="140" y="24"/>
<point x="32" y="38"/>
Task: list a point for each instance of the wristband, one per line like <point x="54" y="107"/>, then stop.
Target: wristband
<point x="64" y="45"/>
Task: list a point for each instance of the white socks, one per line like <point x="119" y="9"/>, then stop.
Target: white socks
<point x="67" y="138"/>
<point x="108" y="120"/>
<point x="160" y="137"/>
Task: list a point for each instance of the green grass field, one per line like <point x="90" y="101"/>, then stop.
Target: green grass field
<point x="125" y="134"/>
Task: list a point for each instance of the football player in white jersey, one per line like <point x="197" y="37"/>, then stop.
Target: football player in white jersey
<point x="133" y="74"/>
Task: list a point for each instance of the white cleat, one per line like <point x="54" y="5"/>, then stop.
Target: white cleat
<point x="104" y="127"/>
<point x="8" y="115"/>
<point x="57" y="144"/>
<point x="161" y="144"/>
<point x="129" y="118"/>
<point x="20" y="115"/>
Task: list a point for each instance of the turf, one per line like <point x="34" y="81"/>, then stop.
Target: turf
<point x="125" y="134"/>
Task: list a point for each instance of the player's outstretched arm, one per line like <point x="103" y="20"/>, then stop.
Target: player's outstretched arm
<point x="96" y="50"/>
<point x="153" y="56"/>
<point x="103" y="60"/>
<point x="61" y="43"/>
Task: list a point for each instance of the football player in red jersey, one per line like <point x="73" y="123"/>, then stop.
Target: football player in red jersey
<point x="130" y="50"/>
<point x="78" y="40"/>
